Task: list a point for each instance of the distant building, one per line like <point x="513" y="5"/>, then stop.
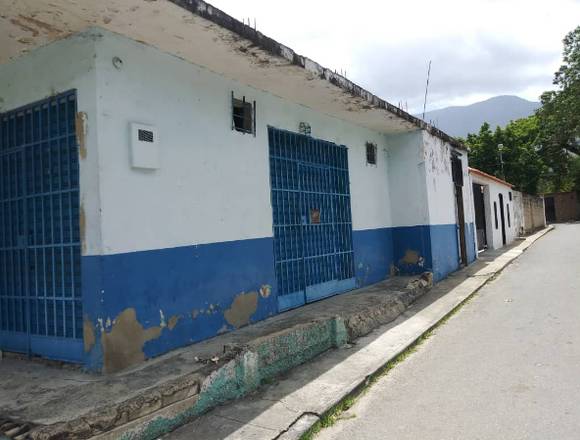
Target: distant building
<point x="562" y="207"/>
<point x="494" y="212"/>
<point x="170" y="174"/>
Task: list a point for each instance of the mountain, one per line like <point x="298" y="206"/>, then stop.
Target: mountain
<point x="499" y="110"/>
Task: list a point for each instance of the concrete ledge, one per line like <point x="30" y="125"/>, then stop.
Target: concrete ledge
<point x="168" y="392"/>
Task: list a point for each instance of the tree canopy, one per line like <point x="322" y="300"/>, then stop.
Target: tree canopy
<point x="539" y="153"/>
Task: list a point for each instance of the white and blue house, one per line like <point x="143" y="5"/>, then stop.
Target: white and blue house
<point x="169" y="174"/>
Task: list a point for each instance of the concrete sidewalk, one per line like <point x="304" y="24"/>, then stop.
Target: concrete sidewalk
<point x="290" y="407"/>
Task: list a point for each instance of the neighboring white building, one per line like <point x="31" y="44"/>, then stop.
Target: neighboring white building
<point x="494" y="201"/>
<point x="186" y="175"/>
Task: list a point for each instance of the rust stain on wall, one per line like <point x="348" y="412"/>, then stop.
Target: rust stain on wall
<point x="88" y="334"/>
<point x="243" y="307"/>
<point x="173" y="322"/>
<point x="411" y="257"/>
<point x="81" y="132"/>
<point x="123" y="345"/>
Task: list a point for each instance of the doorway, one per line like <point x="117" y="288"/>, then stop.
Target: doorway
<point x="550" y="209"/>
<point x="312" y="220"/>
<point x="40" y="251"/>
<point x="480" y="220"/>
<point x="502" y="218"/>
<point x="457" y="175"/>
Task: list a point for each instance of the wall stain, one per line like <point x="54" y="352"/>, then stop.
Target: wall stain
<point x="24" y="27"/>
<point x="88" y="334"/>
<point x="123" y="345"/>
<point x="243" y="307"/>
<point x="49" y="29"/>
<point x="81" y="132"/>
<point x="173" y="322"/>
<point x="411" y="257"/>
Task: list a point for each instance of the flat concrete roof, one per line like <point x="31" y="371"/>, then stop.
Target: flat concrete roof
<point x="204" y="35"/>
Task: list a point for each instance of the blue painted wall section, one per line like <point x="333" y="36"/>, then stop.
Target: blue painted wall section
<point x="433" y="248"/>
<point x="179" y="296"/>
<point x="373" y="255"/>
<point x="471" y="244"/>
<point x="412" y="249"/>
<point x="169" y="298"/>
<point x="445" y="246"/>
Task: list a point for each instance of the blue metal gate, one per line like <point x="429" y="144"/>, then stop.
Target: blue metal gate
<point x="40" y="293"/>
<point x="312" y="218"/>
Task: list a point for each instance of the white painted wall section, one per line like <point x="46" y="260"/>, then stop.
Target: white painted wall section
<point x="440" y="186"/>
<point x="213" y="183"/>
<point x="406" y="177"/>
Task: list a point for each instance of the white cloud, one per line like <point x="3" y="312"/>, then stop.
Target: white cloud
<point x="479" y="48"/>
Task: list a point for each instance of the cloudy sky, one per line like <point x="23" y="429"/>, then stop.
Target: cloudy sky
<point x="478" y="48"/>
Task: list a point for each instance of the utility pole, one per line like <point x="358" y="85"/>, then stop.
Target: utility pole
<point x="500" y="149"/>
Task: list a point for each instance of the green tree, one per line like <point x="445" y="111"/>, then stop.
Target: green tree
<point x="522" y="164"/>
<point x="559" y="117"/>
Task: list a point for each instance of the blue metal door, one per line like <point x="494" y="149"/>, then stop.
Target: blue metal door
<point x="311" y="217"/>
<point x="40" y="293"/>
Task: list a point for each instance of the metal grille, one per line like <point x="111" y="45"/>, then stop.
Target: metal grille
<point x="40" y="294"/>
<point x="311" y="217"/>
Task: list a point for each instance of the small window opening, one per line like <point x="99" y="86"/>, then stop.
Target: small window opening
<point x="508" y="214"/>
<point x="371" y="153"/>
<point x="495" y="215"/>
<point x="510" y="194"/>
<point x="243" y="115"/>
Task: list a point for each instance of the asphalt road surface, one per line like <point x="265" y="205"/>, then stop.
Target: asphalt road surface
<point x="507" y="366"/>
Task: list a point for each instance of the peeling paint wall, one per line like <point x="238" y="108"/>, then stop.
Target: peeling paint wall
<point x="168" y="242"/>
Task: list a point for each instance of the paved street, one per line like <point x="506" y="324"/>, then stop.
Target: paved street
<point x="507" y="366"/>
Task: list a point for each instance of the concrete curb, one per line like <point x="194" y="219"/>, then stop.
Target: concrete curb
<point x="308" y="421"/>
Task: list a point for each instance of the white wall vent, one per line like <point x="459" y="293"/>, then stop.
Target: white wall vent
<point x="144" y="146"/>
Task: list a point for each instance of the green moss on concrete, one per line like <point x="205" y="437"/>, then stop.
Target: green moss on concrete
<point x="249" y="370"/>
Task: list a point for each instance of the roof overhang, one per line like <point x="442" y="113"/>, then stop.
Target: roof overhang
<point x="476" y="172"/>
<point x="206" y="36"/>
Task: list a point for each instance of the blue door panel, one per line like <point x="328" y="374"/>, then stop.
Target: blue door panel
<point x="40" y="294"/>
<point x="311" y="217"/>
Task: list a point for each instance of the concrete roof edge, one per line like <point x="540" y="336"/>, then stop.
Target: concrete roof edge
<point x="217" y="16"/>
<point x="489" y="176"/>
